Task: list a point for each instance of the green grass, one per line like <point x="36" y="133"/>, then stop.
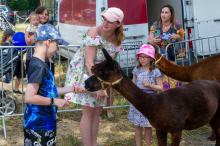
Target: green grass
<point x="69" y="140"/>
<point x="117" y="136"/>
<point x="124" y="142"/>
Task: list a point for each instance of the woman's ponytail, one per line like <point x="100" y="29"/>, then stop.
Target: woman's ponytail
<point x="119" y="35"/>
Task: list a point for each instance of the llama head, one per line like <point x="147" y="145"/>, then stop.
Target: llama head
<point x="105" y="74"/>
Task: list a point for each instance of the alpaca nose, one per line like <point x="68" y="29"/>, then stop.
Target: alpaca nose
<point x="87" y="84"/>
<point x="92" y="84"/>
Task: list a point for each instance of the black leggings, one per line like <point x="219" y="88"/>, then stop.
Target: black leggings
<point x="170" y="53"/>
<point x="18" y="70"/>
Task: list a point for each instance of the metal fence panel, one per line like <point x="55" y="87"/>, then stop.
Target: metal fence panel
<point x="7" y="89"/>
<point x="186" y="53"/>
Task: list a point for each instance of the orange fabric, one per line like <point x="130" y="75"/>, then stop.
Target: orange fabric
<point x="181" y="33"/>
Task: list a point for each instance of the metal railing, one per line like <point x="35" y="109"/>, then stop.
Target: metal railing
<point x="64" y="52"/>
<point x="186" y="52"/>
<point x="4" y="24"/>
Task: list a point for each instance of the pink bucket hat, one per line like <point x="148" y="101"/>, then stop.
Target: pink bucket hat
<point x="113" y="14"/>
<point x="148" y="50"/>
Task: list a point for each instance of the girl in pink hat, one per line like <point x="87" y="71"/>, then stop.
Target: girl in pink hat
<point x="149" y="79"/>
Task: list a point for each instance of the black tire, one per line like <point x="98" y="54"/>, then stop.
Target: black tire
<point x="7" y="106"/>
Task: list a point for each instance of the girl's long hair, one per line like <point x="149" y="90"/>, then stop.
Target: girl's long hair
<point x="172" y="19"/>
<point x="119" y="36"/>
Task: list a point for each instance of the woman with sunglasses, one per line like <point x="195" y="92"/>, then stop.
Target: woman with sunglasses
<point x="108" y="35"/>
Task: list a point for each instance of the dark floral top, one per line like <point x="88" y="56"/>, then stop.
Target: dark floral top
<point x="165" y="36"/>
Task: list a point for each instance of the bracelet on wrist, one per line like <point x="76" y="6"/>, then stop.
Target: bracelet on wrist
<point x="51" y="101"/>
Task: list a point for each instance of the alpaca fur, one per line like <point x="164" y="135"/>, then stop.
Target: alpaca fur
<point x="188" y="107"/>
<point x="207" y="69"/>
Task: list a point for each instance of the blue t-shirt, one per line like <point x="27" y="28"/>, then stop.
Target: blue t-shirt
<point x="38" y="117"/>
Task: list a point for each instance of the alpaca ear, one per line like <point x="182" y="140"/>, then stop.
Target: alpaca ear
<point x="107" y="56"/>
<point x="157" y="48"/>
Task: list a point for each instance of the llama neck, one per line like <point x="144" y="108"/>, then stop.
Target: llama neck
<point x="173" y="70"/>
<point x="141" y="100"/>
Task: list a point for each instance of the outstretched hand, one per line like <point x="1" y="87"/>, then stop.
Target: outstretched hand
<point x="174" y="36"/>
<point x="78" y="89"/>
<point x="60" y="102"/>
<point x="157" y="40"/>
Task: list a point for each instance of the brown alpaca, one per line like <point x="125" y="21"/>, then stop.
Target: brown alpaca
<point x="188" y="107"/>
<point x="207" y="69"/>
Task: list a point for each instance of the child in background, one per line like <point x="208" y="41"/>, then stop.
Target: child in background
<point x="18" y="39"/>
<point x="7" y="41"/>
<point x="7" y="37"/>
<point x="32" y="27"/>
<point x="149" y="79"/>
<point x="41" y="95"/>
<point x="30" y="35"/>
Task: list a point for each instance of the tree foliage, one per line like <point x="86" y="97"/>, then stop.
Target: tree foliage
<point x="23" y="5"/>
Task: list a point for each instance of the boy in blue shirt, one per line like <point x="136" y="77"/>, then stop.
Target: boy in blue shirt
<point x="41" y="95"/>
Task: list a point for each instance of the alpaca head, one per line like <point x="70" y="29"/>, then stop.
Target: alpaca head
<point x="105" y="74"/>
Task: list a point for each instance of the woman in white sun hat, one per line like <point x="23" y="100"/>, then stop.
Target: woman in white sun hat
<point x="108" y="35"/>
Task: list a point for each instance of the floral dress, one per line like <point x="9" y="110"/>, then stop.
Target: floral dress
<point x="77" y="74"/>
<point x="165" y="37"/>
<point x="134" y="115"/>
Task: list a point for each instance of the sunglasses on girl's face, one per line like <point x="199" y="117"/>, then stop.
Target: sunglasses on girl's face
<point x="105" y="20"/>
<point x="143" y="56"/>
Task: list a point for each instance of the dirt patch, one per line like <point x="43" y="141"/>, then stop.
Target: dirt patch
<point x="114" y="132"/>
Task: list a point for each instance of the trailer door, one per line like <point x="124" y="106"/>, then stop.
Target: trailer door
<point x="205" y="16"/>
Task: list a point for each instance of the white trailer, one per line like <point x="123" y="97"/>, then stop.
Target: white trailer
<point x="200" y="18"/>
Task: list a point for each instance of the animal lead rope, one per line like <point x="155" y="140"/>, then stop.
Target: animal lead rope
<point x="158" y="59"/>
<point x="108" y="83"/>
